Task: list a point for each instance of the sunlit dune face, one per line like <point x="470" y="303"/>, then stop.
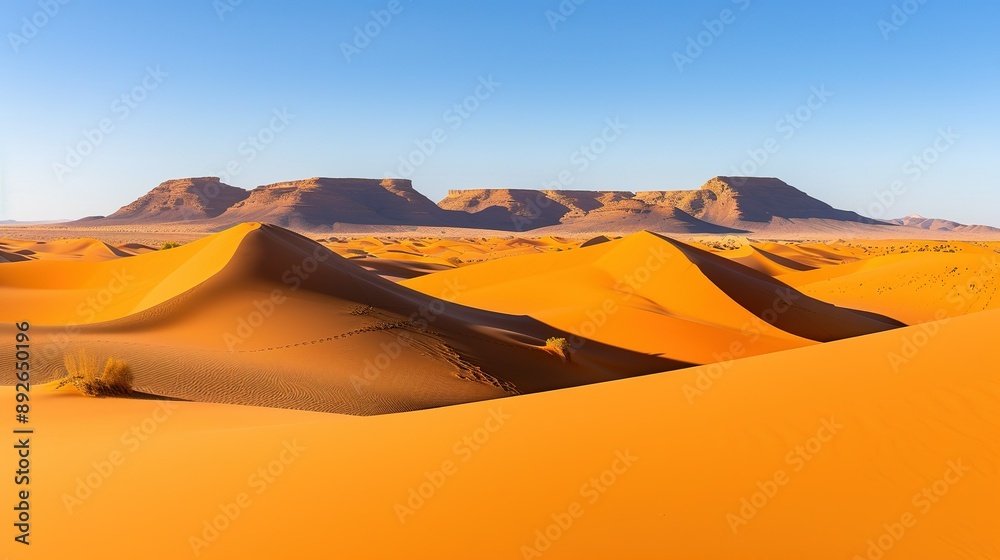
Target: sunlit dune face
<point x="476" y="317"/>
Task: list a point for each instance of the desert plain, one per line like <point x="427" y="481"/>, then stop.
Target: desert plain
<point x="757" y="376"/>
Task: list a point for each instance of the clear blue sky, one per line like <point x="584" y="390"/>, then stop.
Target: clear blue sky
<point x="560" y="80"/>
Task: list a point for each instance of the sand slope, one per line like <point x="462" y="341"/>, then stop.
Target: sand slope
<point x="655" y="295"/>
<point x="912" y="287"/>
<point x="876" y="440"/>
<point x="260" y="315"/>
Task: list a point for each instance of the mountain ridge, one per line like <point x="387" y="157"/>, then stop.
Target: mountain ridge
<point x="722" y="205"/>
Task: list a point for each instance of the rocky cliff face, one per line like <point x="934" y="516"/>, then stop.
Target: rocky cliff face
<point x="319" y="203"/>
<point x="181" y="200"/>
<point x="721" y="205"/>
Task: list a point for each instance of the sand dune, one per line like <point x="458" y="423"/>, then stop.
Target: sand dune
<point x="639" y="468"/>
<point x="76" y="290"/>
<point x="260" y="315"/>
<point x="447" y="253"/>
<point x="764" y="261"/>
<point x="811" y="398"/>
<point x="14" y="250"/>
<point x="691" y="305"/>
<point x="913" y="287"/>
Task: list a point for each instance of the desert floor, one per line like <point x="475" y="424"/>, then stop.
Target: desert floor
<point x="484" y="396"/>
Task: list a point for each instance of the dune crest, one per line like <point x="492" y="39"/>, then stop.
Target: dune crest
<point x="693" y="306"/>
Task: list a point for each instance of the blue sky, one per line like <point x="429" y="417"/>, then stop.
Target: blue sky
<point x="259" y="92"/>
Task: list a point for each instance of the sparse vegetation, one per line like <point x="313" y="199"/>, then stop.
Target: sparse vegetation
<point x="169" y="245"/>
<point x="559" y="346"/>
<point x="81" y="371"/>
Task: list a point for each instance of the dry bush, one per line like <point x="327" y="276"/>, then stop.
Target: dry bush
<point x="81" y="367"/>
<point x="558" y="345"/>
<point x="117" y="377"/>
<point x="81" y="372"/>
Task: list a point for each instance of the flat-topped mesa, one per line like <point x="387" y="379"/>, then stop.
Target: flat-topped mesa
<point x="179" y="200"/>
<point x="319" y="203"/>
<point x="572" y="211"/>
<point x="744" y="201"/>
<point x="507" y="209"/>
<point x="524" y="209"/>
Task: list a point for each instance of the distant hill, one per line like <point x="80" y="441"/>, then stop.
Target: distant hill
<point x="573" y="211"/>
<point x="936" y="224"/>
<point x="750" y="202"/>
<point x="723" y="205"/>
<point x="177" y="200"/>
<point x="319" y="203"/>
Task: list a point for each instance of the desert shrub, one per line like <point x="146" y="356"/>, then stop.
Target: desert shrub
<point x="82" y="367"/>
<point x="117" y="377"/>
<point x="81" y="372"/>
<point x="558" y="345"/>
<point x="169" y="245"/>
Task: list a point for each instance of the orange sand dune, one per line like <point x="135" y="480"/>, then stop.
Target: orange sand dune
<point x="790" y="455"/>
<point x="814" y="254"/>
<point x="59" y="292"/>
<point x="401" y="269"/>
<point x="912" y="287"/>
<point x="763" y="261"/>
<point x="260" y="315"/>
<point x="88" y="250"/>
<point x="654" y="295"/>
<point x="448" y="252"/>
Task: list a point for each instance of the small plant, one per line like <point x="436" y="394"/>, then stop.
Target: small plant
<point x="169" y="245"/>
<point x="81" y="372"/>
<point x="559" y="346"/>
